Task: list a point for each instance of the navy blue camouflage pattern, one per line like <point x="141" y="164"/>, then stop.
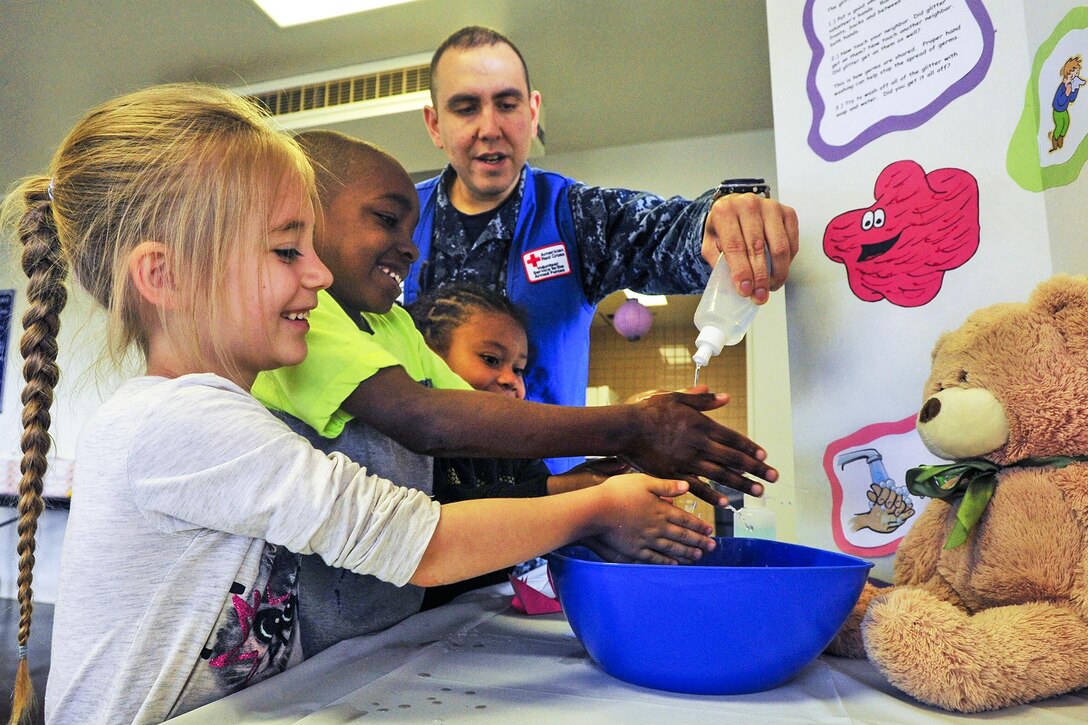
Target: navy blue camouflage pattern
<point x="458" y="259"/>
<point x="626" y="239"/>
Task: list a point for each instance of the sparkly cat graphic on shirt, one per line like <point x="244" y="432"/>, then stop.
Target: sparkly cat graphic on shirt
<point x="257" y="638"/>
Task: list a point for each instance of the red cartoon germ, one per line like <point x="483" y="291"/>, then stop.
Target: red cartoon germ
<point x="920" y="226"/>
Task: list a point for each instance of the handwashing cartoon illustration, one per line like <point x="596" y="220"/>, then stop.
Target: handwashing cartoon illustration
<point x="890" y="505"/>
<point x="871" y="509"/>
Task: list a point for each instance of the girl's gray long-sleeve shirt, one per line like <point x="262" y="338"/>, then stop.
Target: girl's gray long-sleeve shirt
<point x="179" y="573"/>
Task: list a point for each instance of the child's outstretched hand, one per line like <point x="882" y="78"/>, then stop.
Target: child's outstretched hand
<point x="591" y="473"/>
<point x="674" y="439"/>
<point x="637" y="525"/>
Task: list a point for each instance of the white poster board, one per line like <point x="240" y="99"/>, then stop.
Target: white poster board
<point x="896" y="127"/>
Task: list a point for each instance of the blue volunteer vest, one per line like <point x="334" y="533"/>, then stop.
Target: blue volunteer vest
<point x="544" y="278"/>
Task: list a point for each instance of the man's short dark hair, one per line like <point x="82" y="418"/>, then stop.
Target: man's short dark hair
<point x="474" y="36"/>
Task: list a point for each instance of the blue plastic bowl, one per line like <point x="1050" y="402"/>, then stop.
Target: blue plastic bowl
<point x="746" y="618"/>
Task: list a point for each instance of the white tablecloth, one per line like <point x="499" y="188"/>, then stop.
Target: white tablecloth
<point x="478" y="660"/>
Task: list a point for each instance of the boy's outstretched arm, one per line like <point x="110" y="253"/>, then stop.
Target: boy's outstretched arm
<point x="625" y="512"/>
<point x="590" y="473"/>
<point x="665" y="435"/>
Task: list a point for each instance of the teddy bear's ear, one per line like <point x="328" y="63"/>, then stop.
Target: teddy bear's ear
<point x="1064" y="299"/>
<point x="937" y="346"/>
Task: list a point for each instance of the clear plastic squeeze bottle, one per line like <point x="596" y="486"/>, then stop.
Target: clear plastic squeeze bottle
<point x="754" y="520"/>
<point x="723" y="315"/>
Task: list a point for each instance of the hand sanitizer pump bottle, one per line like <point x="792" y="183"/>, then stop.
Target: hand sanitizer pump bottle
<point x="754" y="520"/>
<point x="723" y="315"/>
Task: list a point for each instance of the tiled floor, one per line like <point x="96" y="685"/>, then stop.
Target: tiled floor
<point x="41" y="632"/>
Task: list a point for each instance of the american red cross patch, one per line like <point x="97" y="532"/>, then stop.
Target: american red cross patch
<point x="546" y="262"/>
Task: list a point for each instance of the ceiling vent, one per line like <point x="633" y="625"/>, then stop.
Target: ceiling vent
<point x="396" y="85"/>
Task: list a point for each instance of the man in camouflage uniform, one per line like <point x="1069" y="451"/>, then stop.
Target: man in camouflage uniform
<point x="555" y="246"/>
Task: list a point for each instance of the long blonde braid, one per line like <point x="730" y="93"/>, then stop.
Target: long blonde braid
<point x="46" y="271"/>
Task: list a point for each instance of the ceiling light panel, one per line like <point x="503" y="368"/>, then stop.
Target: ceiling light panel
<point x="286" y="13"/>
<point x="646" y="300"/>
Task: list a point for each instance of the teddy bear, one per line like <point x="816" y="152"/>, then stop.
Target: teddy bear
<point x="989" y="605"/>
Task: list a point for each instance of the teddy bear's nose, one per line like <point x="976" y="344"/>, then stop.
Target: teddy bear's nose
<point x="929" y="410"/>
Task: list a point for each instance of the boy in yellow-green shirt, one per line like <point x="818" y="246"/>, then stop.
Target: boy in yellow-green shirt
<point x="371" y="388"/>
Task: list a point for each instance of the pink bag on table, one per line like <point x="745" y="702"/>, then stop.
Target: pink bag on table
<point x="530" y="600"/>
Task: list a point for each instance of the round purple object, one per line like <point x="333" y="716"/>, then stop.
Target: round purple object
<point x="632" y="320"/>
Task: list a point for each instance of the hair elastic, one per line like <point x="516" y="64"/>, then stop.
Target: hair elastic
<point x="49" y="190"/>
<point x="22" y="651"/>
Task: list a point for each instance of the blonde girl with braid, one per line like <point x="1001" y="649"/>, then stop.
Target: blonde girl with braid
<point x="190" y="222"/>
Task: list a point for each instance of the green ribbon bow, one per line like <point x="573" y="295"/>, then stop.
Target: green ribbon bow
<point x="973" y="480"/>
